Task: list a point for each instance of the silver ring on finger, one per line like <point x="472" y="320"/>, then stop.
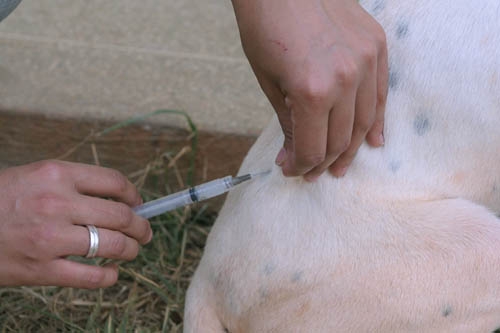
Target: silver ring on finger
<point x="94" y="241"/>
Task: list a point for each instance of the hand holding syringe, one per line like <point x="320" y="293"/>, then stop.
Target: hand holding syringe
<point x="194" y="194"/>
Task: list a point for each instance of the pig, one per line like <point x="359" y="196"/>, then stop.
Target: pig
<point x="409" y="239"/>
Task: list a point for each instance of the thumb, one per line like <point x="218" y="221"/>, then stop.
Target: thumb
<point x="277" y="100"/>
<point x="285" y="120"/>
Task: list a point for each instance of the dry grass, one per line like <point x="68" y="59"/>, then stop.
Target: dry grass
<point x="149" y="296"/>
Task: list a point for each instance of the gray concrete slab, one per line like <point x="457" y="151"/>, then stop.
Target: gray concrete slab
<point x="118" y="58"/>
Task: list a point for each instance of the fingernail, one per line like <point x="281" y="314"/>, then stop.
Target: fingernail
<point x="341" y="172"/>
<point x="150" y="235"/>
<point x="311" y="179"/>
<point x="281" y="158"/>
<point x="381" y="139"/>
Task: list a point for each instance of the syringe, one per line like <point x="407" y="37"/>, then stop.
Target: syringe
<point x="194" y="194"/>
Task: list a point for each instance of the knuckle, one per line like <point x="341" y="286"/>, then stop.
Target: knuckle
<point x="118" y="247"/>
<point x="346" y="72"/>
<point x="119" y="181"/>
<point x="314" y="90"/>
<point x="49" y="170"/>
<point x="94" y="278"/>
<point x="369" y="53"/>
<point x="124" y="215"/>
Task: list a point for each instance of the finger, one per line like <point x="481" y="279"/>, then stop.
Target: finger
<point x="111" y="215"/>
<point x="340" y="127"/>
<point x="277" y="100"/>
<point x="112" y="244"/>
<point x="87" y="179"/>
<point x="375" y="136"/>
<point x="309" y="141"/>
<point x="104" y="182"/>
<point x="309" y="121"/>
<point x="366" y="101"/>
<point x="67" y="273"/>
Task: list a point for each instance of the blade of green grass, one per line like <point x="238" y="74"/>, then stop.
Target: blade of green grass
<point x="110" y="327"/>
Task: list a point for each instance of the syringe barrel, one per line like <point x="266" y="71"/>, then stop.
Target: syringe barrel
<point x="194" y="194"/>
<point x="162" y="205"/>
<point x="211" y="189"/>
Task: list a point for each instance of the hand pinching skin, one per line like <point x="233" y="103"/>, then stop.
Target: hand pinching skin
<point x="323" y="66"/>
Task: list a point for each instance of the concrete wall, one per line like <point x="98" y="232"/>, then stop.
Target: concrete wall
<point x="114" y="59"/>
